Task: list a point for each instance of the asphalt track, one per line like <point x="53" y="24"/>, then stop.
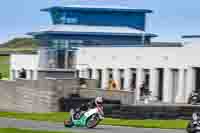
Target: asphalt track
<point x="27" y="124"/>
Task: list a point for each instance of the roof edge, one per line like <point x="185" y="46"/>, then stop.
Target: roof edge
<point x="107" y="9"/>
<point x="191" y="36"/>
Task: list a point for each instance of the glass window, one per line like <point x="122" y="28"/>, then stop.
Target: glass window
<point x="71" y="20"/>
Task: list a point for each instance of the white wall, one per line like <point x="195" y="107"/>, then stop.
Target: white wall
<point x="128" y="57"/>
<point x="119" y="57"/>
<point x="27" y="61"/>
<point x="146" y="57"/>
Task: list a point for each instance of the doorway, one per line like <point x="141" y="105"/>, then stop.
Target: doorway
<point x="146" y="78"/>
<point x="175" y="77"/>
<point x="61" y="58"/>
<point x="160" y="83"/>
<point x="197" y="79"/>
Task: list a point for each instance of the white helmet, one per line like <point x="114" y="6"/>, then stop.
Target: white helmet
<point x="99" y="101"/>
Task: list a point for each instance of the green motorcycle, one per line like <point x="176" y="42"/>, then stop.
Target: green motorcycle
<point x="89" y="119"/>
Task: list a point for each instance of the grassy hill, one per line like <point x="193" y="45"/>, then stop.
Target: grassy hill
<point x="19" y="45"/>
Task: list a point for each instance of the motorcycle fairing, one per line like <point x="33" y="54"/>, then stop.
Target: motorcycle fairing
<point x="82" y="121"/>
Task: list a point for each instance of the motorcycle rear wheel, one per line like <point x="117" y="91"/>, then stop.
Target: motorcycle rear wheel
<point x="68" y="123"/>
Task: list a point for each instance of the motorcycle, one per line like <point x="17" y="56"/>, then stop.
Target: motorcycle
<point x="194" y="98"/>
<point x="89" y="119"/>
<point x="194" y="125"/>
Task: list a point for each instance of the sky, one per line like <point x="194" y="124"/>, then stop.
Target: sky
<point x="170" y="18"/>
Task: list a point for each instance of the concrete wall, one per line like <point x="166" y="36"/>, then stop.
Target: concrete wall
<point x="44" y="95"/>
<point x="126" y="97"/>
<point x="32" y="96"/>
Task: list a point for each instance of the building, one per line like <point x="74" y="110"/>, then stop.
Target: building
<point x="105" y="43"/>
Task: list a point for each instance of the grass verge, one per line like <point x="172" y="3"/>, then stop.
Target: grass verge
<point x="4" y="66"/>
<point x="59" y="117"/>
<point x="14" y="130"/>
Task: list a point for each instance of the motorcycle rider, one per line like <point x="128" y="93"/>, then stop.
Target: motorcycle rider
<point x="98" y="102"/>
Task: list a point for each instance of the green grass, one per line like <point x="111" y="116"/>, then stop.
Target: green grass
<point x="4" y="66"/>
<point x="51" y="117"/>
<point x="163" y="124"/>
<point x="59" y="117"/>
<point x="14" y="130"/>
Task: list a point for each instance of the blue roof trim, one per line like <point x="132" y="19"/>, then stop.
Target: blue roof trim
<point x="124" y="45"/>
<point x="191" y="36"/>
<point x="91" y="33"/>
<point x="98" y="9"/>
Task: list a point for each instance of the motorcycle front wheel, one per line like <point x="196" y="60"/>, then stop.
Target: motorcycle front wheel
<point x="92" y="121"/>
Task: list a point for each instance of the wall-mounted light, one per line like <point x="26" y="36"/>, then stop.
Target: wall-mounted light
<point x="138" y="57"/>
<point x="165" y="57"/>
<point x="114" y="57"/>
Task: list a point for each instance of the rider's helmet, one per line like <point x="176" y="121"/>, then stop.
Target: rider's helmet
<point x="99" y="101"/>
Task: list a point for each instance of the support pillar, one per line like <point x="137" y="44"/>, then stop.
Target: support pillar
<point x="154" y="82"/>
<point x="181" y="89"/>
<point x="190" y="82"/>
<point x="94" y="73"/>
<point x="17" y="74"/>
<point x="104" y="81"/>
<point x="35" y="75"/>
<point x="139" y="81"/>
<point x="167" y="90"/>
<point x="127" y="80"/>
<point x="28" y="74"/>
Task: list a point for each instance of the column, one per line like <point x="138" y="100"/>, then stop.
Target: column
<point x="16" y="73"/>
<point x="127" y="80"/>
<point x="190" y="82"/>
<point x="104" y="81"/>
<point x="81" y="73"/>
<point x="167" y="89"/>
<point x="28" y="74"/>
<point x="181" y="89"/>
<point x="154" y="82"/>
<point x="116" y="77"/>
<point x="139" y="81"/>
<point x="35" y="75"/>
<point x="94" y="73"/>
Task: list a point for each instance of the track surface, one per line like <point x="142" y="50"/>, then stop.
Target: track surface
<point x="26" y="124"/>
